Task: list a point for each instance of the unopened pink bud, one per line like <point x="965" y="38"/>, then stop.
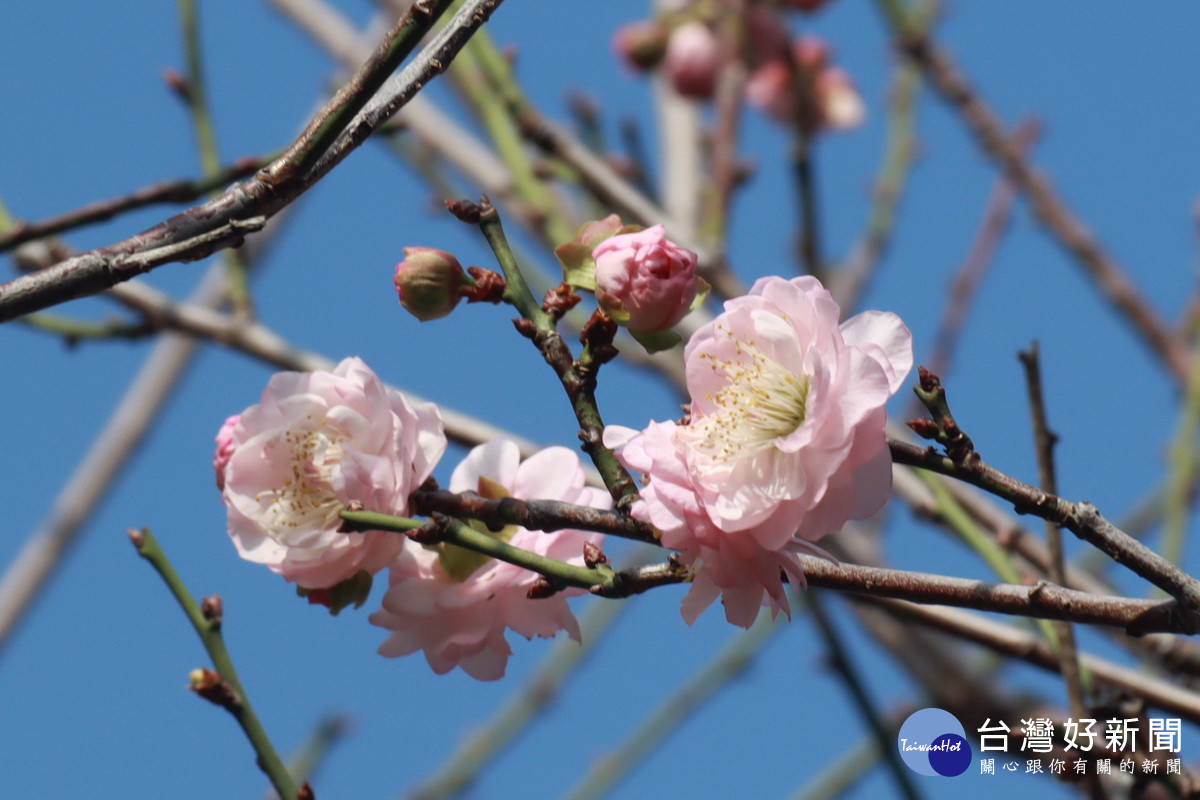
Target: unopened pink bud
<point x="693" y="60"/>
<point x="429" y="281"/>
<point x="644" y="280"/>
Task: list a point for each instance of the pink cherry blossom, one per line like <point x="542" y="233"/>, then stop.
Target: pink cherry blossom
<point x="461" y="622"/>
<point x="693" y="60"/>
<point x="785" y="442"/>
<point x="315" y="443"/>
<point x="645" y="281"/>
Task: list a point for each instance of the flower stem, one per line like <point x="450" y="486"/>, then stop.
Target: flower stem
<point x="579" y="384"/>
<point x="602" y="581"/>
<point x="208" y="628"/>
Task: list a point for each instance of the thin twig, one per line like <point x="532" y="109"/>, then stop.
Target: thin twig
<point x="1082" y="519"/>
<point x="534" y="515"/>
<point x="184" y="190"/>
<point x="207" y="623"/>
<point x="1044" y="440"/>
<point x="1043" y="600"/>
<point x="979" y="257"/>
<point x="848" y="283"/>
<point x="885" y="735"/>
<point x="601" y="580"/>
<point x="578" y="382"/>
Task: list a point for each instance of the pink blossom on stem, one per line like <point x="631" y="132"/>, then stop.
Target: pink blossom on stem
<point x="785" y="442"/>
<point x="693" y="60"/>
<point x="314" y="444"/>
<point x="644" y="280"/>
<point x="455" y="604"/>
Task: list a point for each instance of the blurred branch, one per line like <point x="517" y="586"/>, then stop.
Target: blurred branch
<point x="225" y="690"/>
<point x="848" y="283"/>
<point x="1179" y="493"/>
<point x="664" y="720"/>
<point x="259" y="341"/>
<point x="303" y="763"/>
<point x="196" y="96"/>
<point x="885" y="734"/>
<point x="330" y="138"/>
<point x="1048" y="207"/>
<point x="74" y="330"/>
<point x="1009" y="641"/>
<point x="979" y="257"/>
<point x="136" y="412"/>
<point x="840" y="776"/>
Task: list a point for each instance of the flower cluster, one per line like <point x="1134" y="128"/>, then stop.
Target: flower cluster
<point x="784" y="444"/>
<point x="320" y="443"/>
<point x="794" y="82"/>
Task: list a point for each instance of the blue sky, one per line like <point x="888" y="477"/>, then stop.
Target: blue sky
<point x="93" y="682"/>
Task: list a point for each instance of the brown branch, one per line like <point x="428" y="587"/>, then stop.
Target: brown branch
<point x="1015" y="643"/>
<point x="1043" y="600"/>
<point x="1044" y="440"/>
<point x="534" y="515"/>
<point x="1048" y="207"/>
<point x="274" y="187"/>
<point x="1082" y="519"/>
<point x="184" y="190"/>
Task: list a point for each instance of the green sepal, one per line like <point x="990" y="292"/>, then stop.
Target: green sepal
<point x="655" y="341"/>
<point x="579" y="268"/>
<point x="352" y="591"/>
<point x="460" y="563"/>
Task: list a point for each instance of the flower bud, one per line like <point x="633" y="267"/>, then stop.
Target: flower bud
<point x="842" y="106"/>
<point x="645" y="281"/>
<point x="641" y="44"/>
<point x="429" y="282"/>
<point x="693" y="60"/>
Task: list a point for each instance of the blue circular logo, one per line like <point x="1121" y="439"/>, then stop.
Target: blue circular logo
<point x="933" y="742"/>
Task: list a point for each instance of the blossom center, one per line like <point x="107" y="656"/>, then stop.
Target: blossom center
<point x="306" y="499"/>
<point x="760" y="402"/>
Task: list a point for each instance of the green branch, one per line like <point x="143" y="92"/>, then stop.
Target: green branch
<point x="208" y="628"/>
